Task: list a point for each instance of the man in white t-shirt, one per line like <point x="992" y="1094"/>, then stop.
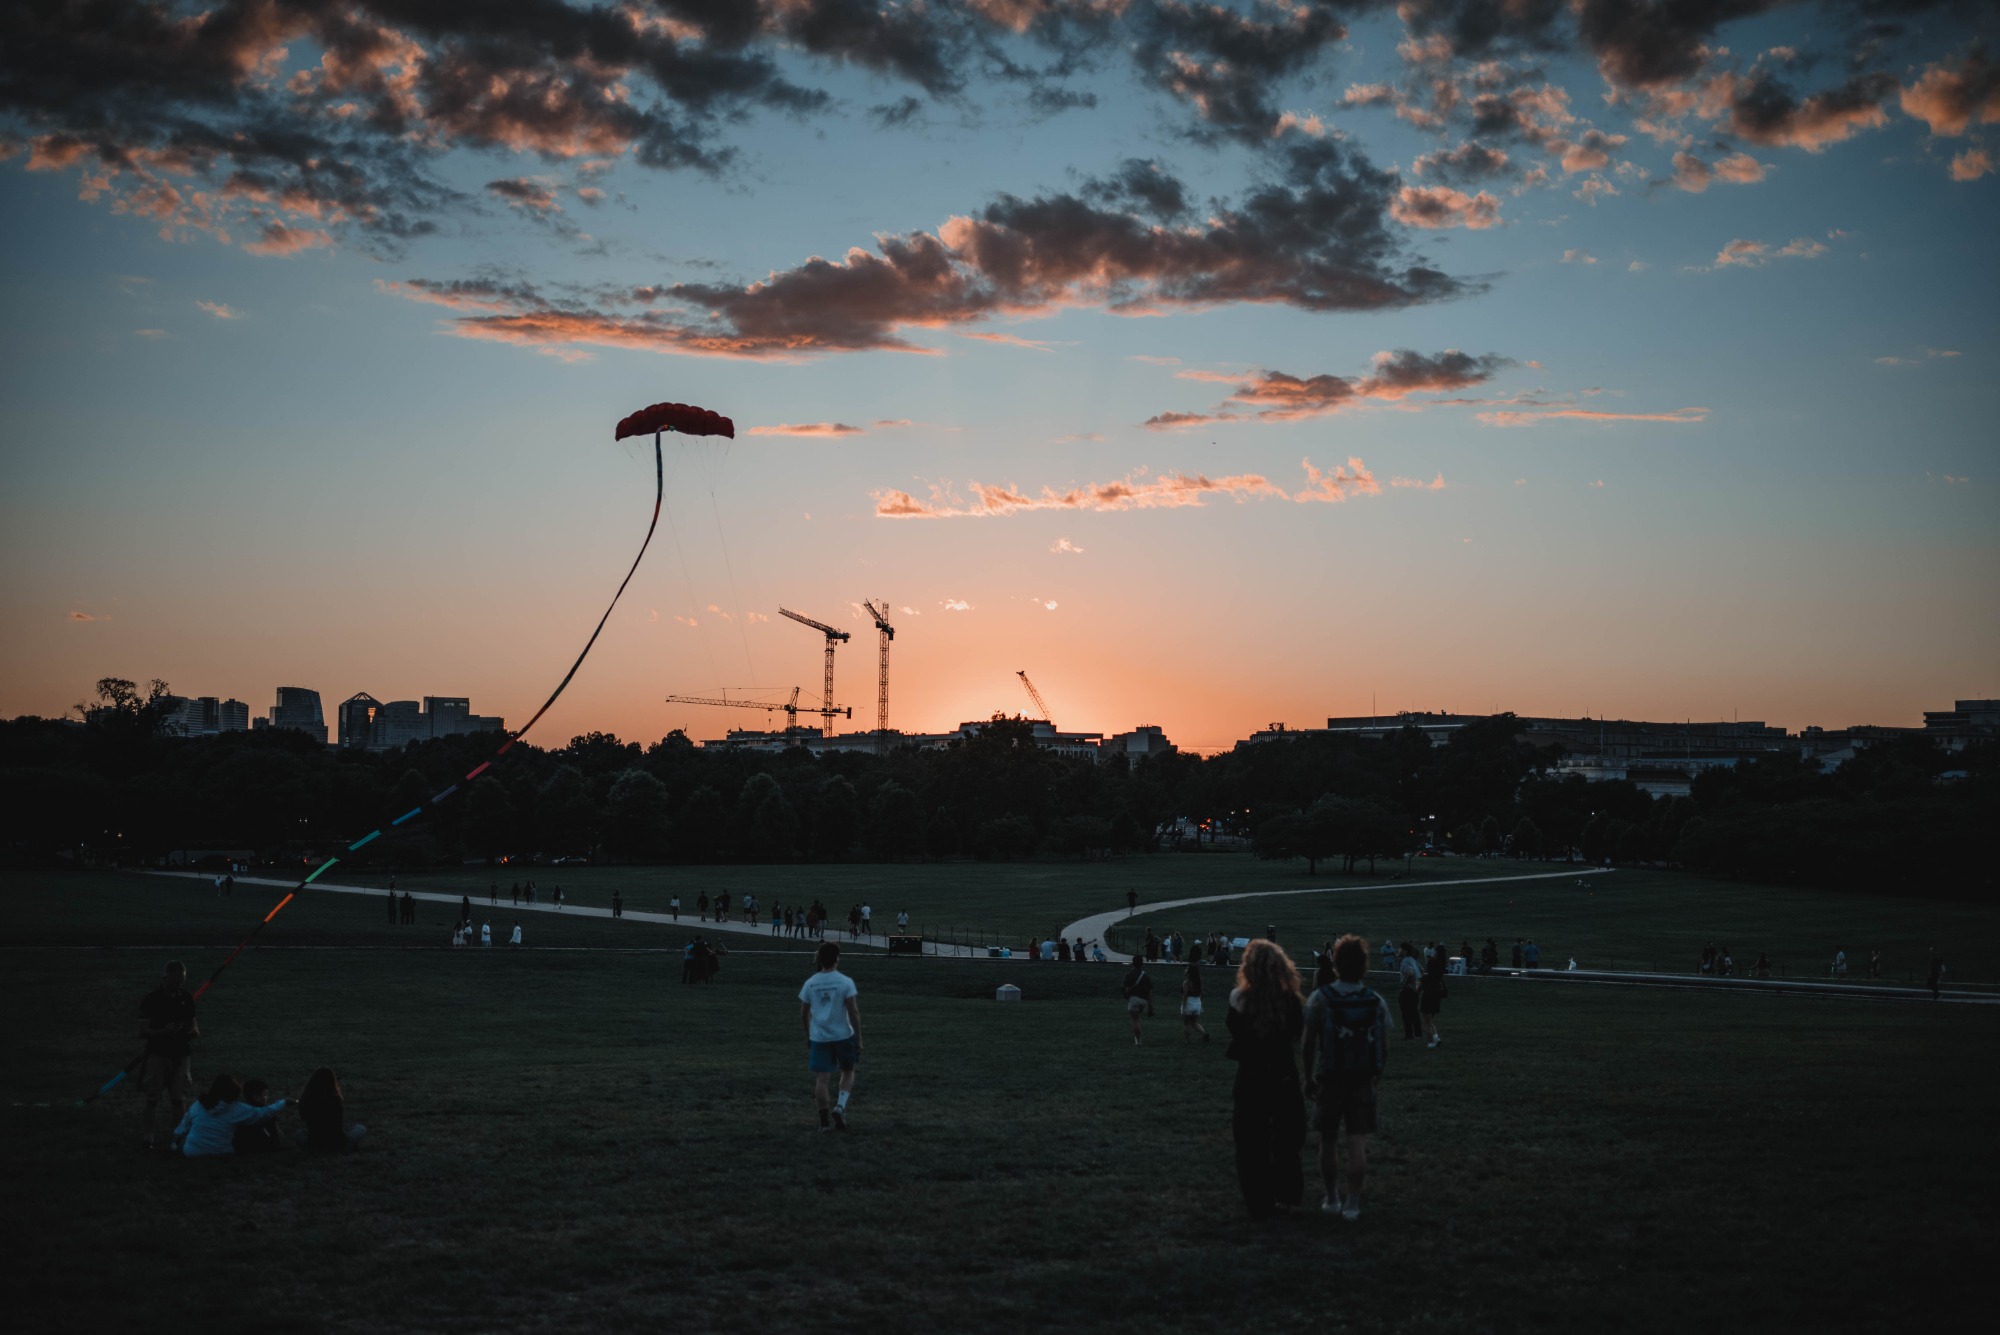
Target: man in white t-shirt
<point x="832" y="1020"/>
<point x="867" y="915"/>
<point x="486" y="933"/>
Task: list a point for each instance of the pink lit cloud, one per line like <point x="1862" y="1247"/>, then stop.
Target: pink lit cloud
<point x="1140" y="490"/>
<point x="806" y="429"/>
<point x="1529" y="416"/>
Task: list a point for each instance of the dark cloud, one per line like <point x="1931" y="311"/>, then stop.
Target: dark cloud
<point x="1223" y="61"/>
<point x="1653" y="43"/>
<point x="1276" y="396"/>
<point x="1049" y="100"/>
<point x="1144" y="186"/>
<point x="902" y="111"/>
<point x="1767" y="111"/>
<point x="1470" y="162"/>
<point x="1316" y="238"/>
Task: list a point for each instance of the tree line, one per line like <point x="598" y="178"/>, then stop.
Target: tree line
<point x="115" y="784"/>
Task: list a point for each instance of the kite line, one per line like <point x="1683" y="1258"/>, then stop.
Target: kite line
<point x="655" y="420"/>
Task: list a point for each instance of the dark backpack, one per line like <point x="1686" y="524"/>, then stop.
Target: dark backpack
<point x="1349" y="1032"/>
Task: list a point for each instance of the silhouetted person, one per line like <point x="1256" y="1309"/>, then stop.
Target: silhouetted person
<point x="1268" y="1120"/>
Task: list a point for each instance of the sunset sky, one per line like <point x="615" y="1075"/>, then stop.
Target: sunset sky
<point x="1218" y="365"/>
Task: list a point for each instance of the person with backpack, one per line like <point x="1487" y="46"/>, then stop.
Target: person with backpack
<point x="1268" y="1121"/>
<point x="1346" y="1049"/>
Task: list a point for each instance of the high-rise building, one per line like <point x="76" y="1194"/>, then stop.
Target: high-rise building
<point x="449" y="715"/>
<point x="367" y="722"/>
<point x="298" y="708"/>
<point x="358" y="713"/>
<point x="205" y="716"/>
<point x="400" y="723"/>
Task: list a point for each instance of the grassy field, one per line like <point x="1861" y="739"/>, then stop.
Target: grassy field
<point x="1627" y="919"/>
<point x="569" y="1140"/>
<point x="1003" y="900"/>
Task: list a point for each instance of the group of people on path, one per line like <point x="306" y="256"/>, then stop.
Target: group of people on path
<point x="1173" y="948"/>
<point x="1058" y="949"/>
<point x="230" y="1117"/>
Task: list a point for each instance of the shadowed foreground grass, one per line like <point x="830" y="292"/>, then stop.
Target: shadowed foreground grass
<point x="573" y="1141"/>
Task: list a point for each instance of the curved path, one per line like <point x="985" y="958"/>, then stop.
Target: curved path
<point x="483" y="908"/>
<point x="1094" y="927"/>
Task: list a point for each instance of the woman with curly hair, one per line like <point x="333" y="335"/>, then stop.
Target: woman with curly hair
<point x="1266" y="1019"/>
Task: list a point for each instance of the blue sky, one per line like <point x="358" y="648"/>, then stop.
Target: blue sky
<point x="1715" y="450"/>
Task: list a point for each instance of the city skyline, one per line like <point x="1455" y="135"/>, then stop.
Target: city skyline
<point x="1217" y="367"/>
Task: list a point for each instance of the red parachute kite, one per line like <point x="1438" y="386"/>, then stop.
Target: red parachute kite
<point x="682" y="417"/>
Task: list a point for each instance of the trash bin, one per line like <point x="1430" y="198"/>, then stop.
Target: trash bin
<point x="1006" y="992"/>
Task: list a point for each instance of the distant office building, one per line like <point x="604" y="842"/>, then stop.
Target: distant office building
<point x="1966" y="720"/>
<point x="358" y="713"/>
<point x="206" y="716"/>
<point x="298" y="709"/>
<point x="448" y="714"/>
<point x="1145" y="740"/>
<point x="367" y="722"/>
<point x="1092" y="746"/>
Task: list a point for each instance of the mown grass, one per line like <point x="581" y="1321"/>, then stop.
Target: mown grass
<point x="1628" y="919"/>
<point x="571" y="1140"/>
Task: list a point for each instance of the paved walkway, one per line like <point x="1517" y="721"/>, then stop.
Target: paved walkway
<point x="1095" y="927"/>
<point x="688" y="922"/>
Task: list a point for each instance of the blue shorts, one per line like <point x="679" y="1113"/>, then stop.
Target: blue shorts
<point x="840" y="1055"/>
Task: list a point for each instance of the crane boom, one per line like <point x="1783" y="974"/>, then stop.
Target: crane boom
<point x="1036" y="696"/>
<point x="828" y="711"/>
<point x="884" y="633"/>
<point x="790" y="707"/>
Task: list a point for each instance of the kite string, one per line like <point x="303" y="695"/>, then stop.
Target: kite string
<point x="659" y="497"/>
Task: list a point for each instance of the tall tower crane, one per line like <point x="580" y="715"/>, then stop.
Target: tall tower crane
<point x="1036" y="696"/>
<point x="884" y="633"/>
<point x="827" y="709"/>
<point x="791" y="707"/>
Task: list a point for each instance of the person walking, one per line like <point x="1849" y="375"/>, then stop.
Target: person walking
<point x="168" y="1027"/>
<point x="515" y="890"/>
<point x="515" y="939"/>
<point x="674" y="907"/>
<point x="1411" y="976"/>
<point x="1137" y="988"/>
<point x="1346" y="1049"/>
<point x="831" y="1017"/>
<point x="1268" y="1119"/>
<point x="1191" y="1002"/>
<point x="867" y="919"/>
<point x="701" y="905"/>
<point x="1519" y="952"/>
<point x="1131" y="902"/>
<point x="394" y="908"/>
<point x="1935" y="975"/>
<point x="1532" y="953"/>
<point x="486" y="933"/>
<point x="409" y="909"/>
<point x="1489" y="956"/>
<point x="903" y="922"/>
<point x="1431" y="995"/>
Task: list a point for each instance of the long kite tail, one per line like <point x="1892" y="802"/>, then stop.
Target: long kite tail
<point x="659" y="496"/>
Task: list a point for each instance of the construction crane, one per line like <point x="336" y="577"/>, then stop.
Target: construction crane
<point x="1036" y="696"/>
<point x="884" y="633"/>
<point x="827" y="711"/>
<point x="791" y="707"/>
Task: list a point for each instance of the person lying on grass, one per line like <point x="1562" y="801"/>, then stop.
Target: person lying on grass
<point x="209" y="1128"/>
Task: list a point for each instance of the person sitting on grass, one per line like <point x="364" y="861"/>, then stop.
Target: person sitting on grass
<point x="257" y="1137"/>
<point x="324" y="1111"/>
<point x="209" y="1128"/>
